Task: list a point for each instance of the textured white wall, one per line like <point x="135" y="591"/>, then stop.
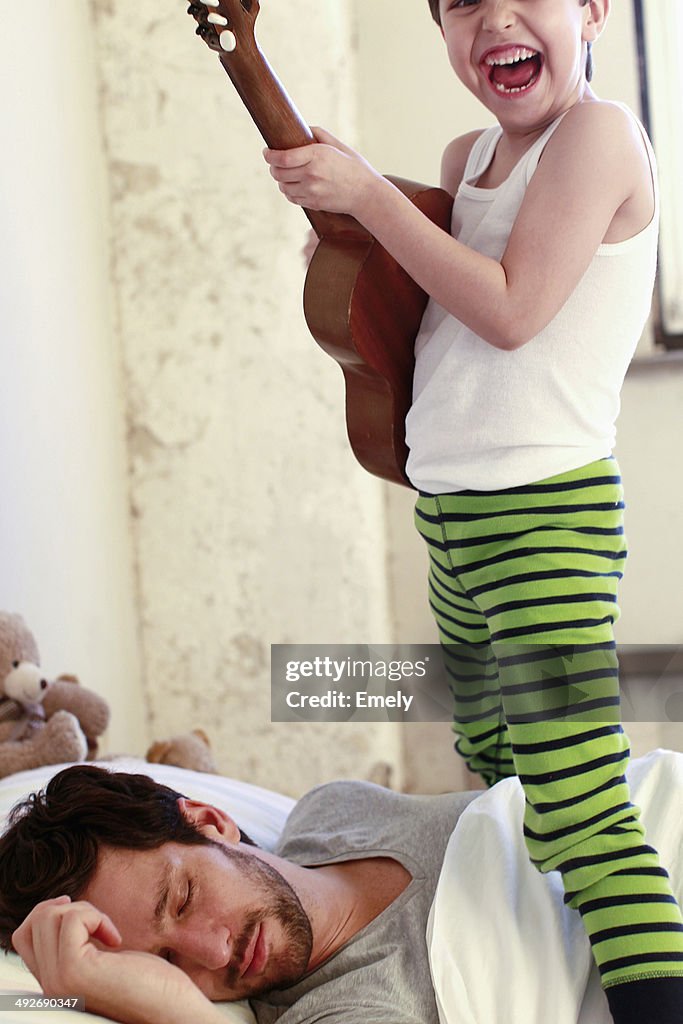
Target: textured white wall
<point x="65" y="547"/>
<point x="253" y="524"/>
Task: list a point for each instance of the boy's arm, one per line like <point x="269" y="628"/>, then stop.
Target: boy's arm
<point x="594" y="166"/>
<point x="453" y="166"/>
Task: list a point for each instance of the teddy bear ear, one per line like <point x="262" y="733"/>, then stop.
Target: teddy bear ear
<point x="157" y="751"/>
<point x="201" y="735"/>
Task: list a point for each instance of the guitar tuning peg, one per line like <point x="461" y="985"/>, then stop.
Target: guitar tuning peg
<point x="228" y="41"/>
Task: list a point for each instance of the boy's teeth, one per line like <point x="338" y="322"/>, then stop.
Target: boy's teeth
<point x="521" y="53"/>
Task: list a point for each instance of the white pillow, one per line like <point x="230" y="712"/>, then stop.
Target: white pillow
<point x="258" y="812"/>
<point x="503" y="946"/>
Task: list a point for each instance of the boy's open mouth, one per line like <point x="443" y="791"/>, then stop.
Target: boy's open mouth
<point x="513" y="69"/>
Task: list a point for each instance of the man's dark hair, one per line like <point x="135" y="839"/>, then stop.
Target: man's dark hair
<point x="436" y="15"/>
<point x="54" y="836"/>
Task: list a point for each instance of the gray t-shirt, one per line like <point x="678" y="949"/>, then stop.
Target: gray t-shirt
<point x="381" y="976"/>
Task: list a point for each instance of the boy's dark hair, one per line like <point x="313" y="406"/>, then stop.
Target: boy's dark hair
<point x="434" y="6"/>
<point x="54" y="836"/>
<point x="436" y="15"/>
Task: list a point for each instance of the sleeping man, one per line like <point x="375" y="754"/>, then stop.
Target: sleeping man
<point x="372" y="908"/>
<point x="152" y="906"/>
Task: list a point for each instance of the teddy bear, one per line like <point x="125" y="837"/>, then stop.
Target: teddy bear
<point x="41" y="721"/>
<point x="189" y="750"/>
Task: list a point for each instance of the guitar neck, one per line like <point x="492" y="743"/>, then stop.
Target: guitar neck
<point x="279" y="122"/>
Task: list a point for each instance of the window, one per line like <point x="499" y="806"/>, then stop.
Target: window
<point x="659" y="26"/>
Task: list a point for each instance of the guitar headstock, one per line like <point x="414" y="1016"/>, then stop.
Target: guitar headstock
<point x="224" y="24"/>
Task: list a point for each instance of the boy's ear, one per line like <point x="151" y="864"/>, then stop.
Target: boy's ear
<point x="597" y="14"/>
<point x="211" y="821"/>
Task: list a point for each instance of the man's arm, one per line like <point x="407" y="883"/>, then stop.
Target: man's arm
<point x="62" y="945"/>
<point x="592" y="167"/>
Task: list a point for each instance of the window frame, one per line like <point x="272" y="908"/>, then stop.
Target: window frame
<point x="666" y="339"/>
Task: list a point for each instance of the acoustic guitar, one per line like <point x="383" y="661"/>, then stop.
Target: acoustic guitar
<point x="360" y="306"/>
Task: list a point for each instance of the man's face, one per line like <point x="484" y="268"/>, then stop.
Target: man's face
<point x="223" y="916"/>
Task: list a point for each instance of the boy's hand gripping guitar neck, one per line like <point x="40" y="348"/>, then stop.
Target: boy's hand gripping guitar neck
<point x="360" y="305"/>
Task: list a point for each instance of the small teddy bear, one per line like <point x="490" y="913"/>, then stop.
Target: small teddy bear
<point x="41" y="721"/>
<point x="190" y="750"/>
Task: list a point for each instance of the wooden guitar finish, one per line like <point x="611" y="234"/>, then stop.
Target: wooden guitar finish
<point x="360" y="305"/>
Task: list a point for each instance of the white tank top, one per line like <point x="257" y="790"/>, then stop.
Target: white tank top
<point x="486" y="419"/>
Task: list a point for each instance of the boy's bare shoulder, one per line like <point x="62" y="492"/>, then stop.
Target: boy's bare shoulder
<point x="454" y="160"/>
<point x="603" y="144"/>
<point x="607" y="128"/>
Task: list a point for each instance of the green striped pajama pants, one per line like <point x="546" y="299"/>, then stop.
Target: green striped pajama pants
<point x="523" y="586"/>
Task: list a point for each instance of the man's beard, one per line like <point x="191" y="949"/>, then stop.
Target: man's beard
<point x="279" y="903"/>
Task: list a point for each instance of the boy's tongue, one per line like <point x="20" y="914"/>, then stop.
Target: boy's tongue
<point x="515" y="76"/>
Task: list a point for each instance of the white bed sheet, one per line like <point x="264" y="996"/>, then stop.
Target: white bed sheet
<point x="259" y="812"/>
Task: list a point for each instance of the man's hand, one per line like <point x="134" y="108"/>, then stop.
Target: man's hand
<point x="61" y="944"/>
<point x="326" y="175"/>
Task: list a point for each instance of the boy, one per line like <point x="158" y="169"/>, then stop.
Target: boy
<point x="536" y="306"/>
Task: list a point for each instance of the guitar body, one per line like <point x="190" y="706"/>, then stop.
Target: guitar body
<point x="360" y="305"/>
<point x="365" y="311"/>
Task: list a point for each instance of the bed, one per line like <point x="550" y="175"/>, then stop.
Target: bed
<point x="530" y="959"/>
